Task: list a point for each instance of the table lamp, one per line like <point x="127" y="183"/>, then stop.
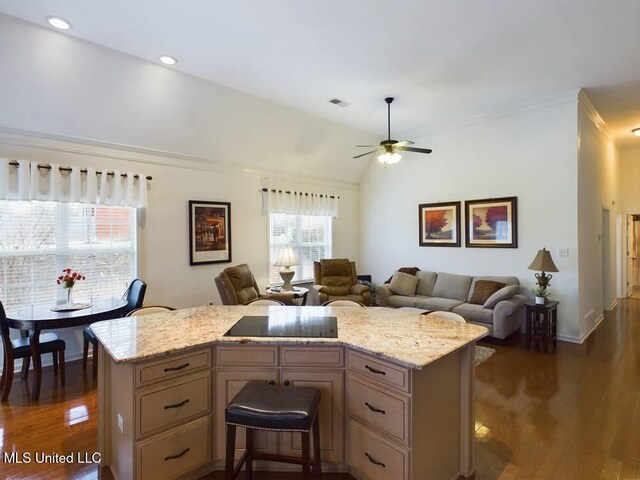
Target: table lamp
<point x="544" y="263"/>
<point x="286" y="258"/>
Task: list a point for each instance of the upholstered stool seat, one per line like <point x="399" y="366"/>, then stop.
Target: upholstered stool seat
<point x="260" y="406"/>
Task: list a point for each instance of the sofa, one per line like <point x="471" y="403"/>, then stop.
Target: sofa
<point x="502" y="313"/>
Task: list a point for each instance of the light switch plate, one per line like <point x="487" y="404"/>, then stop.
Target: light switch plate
<point x="563" y="252"/>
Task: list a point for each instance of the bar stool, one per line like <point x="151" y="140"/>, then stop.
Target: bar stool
<point x="260" y="406"/>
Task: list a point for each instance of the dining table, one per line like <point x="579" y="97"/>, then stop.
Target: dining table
<point x="31" y="320"/>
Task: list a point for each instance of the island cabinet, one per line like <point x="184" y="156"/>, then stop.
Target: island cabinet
<point x="320" y="367"/>
<point x="161" y="416"/>
<point x="403" y="423"/>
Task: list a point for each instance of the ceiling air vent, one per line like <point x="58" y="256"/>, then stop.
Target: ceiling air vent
<point x="340" y="103"/>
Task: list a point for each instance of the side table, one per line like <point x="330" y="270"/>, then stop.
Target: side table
<point x="296" y="293"/>
<point x="542" y="321"/>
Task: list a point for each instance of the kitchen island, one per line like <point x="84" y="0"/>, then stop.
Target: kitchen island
<point x="397" y="390"/>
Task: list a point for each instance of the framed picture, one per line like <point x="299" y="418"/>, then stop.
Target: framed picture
<point x="209" y="232"/>
<point x="439" y="224"/>
<point x="491" y="223"/>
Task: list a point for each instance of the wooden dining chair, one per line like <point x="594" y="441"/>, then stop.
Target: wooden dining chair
<point x="21" y="348"/>
<point x="135" y="296"/>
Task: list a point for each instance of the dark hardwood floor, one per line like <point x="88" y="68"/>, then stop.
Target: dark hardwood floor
<point x="574" y="414"/>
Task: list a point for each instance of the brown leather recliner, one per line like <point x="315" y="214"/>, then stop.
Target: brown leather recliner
<point x="335" y="279"/>
<point x="237" y="286"/>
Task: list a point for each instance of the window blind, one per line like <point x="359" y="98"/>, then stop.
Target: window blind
<point x="40" y="239"/>
<point x="310" y="237"/>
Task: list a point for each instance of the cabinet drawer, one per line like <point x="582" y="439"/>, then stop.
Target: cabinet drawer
<point x="312" y="357"/>
<point x="387" y="412"/>
<point x="148" y="373"/>
<point x="175" y="453"/>
<point x="380" y="371"/>
<point x="374" y="457"/>
<point x="247" y="356"/>
<point x="163" y="407"/>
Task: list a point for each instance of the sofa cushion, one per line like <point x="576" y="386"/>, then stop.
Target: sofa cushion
<point x="409" y="270"/>
<point x="436" y="303"/>
<point x="483" y="289"/>
<point x="474" y="313"/>
<point x="504" y="293"/>
<point x="403" y="284"/>
<point x="426" y="283"/>
<point x="402" y="301"/>
<point x="449" y="285"/>
<point x="506" y="280"/>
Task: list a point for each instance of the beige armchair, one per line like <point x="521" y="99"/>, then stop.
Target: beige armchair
<point x="237" y="286"/>
<point x="335" y="279"/>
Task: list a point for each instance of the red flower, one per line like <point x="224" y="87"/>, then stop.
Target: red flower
<point x="69" y="279"/>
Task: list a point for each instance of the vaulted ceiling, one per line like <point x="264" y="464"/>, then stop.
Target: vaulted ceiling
<point x="443" y="60"/>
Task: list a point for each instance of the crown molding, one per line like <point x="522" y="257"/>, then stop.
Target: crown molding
<point x="514" y="109"/>
<point x="142" y="155"/>
<point x="594" y="115"/>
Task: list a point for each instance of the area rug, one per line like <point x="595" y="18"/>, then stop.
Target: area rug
<point x="482" y="353"/>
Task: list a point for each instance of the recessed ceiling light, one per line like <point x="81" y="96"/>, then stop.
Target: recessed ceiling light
<point x="168" y="60"/>
<point x="636" y="131"/>
<point x="59" y="23"/>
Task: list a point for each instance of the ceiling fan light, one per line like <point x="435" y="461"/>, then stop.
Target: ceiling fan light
<point x="389" y="158"/>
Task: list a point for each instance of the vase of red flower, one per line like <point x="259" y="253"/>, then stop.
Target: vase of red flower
<point x="68" y="281"/>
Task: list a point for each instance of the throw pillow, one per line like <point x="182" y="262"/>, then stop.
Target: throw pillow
<point x="409" y="270"/>
<point x="404" y="284"/>
<point x="483" y="290"/>
<point x="504" y="293"/>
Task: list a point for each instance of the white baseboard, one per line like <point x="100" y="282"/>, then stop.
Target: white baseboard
<point x="47" y="361"/>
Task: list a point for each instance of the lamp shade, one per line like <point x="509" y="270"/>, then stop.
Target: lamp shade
<point x="287" y="257"/>
<point x="543" y="262"/>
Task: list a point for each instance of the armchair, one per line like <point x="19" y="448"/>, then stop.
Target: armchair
<point x="335" y="279"/>
<point x="237" y="286"/>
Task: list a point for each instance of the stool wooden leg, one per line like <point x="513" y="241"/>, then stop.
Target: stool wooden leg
<point x="54" y="354"/>
<point x="85" y="353"/>
<point x="306" y="453"/>
<point x="317" y="467"/>
<point x="231" y="447"/>
<point x="61" y="361"/>
<point x="248" y="472"/>
<point x="94" y="360"/>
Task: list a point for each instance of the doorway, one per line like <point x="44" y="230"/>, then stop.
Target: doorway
<point x="606" y="259"/>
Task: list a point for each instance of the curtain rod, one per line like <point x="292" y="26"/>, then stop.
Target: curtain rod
<point x="298" y="193"/>
<point x="83" y="170"/>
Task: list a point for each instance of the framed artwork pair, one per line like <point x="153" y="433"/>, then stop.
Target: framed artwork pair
<point x="489" y="223"/>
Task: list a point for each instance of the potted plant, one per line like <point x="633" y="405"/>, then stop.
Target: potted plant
<point x="541" y="294"/>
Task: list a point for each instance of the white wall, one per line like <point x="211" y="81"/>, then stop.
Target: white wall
<point x="630" y="180"/>
<point x="531" y="155"/>
<point x="597" y="189"/>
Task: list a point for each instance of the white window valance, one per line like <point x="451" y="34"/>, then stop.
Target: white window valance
<point x="31" y="180"/>
<point x="298" y="203"/>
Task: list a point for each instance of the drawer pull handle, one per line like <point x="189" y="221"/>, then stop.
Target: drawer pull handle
<point x="374" y="370"/>
<point x="173" y="369"/>
<point x="287" y="383"/>
<point x="173" y="457"/>
<point x="177" y="405"/>
<point x="374" y="409"/>
<point x="271" y="382"/>
<point x="373" y="460"/>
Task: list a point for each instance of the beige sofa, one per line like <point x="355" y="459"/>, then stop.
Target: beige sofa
<point x="450" y="292"/>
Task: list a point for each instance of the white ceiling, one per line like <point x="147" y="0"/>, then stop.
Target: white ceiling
<point x="443" y="60"/>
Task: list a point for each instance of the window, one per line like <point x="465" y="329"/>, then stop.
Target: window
<point x="310" y="237"/>
<point x="39" y="239"/>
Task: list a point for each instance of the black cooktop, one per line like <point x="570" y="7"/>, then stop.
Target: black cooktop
<point x="284" y="326"/>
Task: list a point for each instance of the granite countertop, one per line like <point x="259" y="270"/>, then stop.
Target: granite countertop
<point x="405" y="338"/>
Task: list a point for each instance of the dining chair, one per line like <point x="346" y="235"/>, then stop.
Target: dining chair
<point x="273" y="303"/>
<point x="149" y="310"/>
<point x="342" y="303"/>
<point x="21" y="348"/>
<point x="135" y="296"/>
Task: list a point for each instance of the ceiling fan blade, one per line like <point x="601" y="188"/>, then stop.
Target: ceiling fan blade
<point x="403" y="143"/>
<point x="415" y="149"/>
<point x="364" y="154"/>
<point x="368" y="146"/>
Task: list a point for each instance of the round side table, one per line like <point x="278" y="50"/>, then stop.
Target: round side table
<point x="296" y="293"/>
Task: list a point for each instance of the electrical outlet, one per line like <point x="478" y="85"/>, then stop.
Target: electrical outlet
<point x="120" y="424"/>
<point x="563" y="252"/>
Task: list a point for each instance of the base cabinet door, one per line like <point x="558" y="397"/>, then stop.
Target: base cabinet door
<point x="331" y="386"/>
<point x="228" y="384"/>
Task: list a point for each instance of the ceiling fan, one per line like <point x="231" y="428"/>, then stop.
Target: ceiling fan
<point x="389" y="148"/>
